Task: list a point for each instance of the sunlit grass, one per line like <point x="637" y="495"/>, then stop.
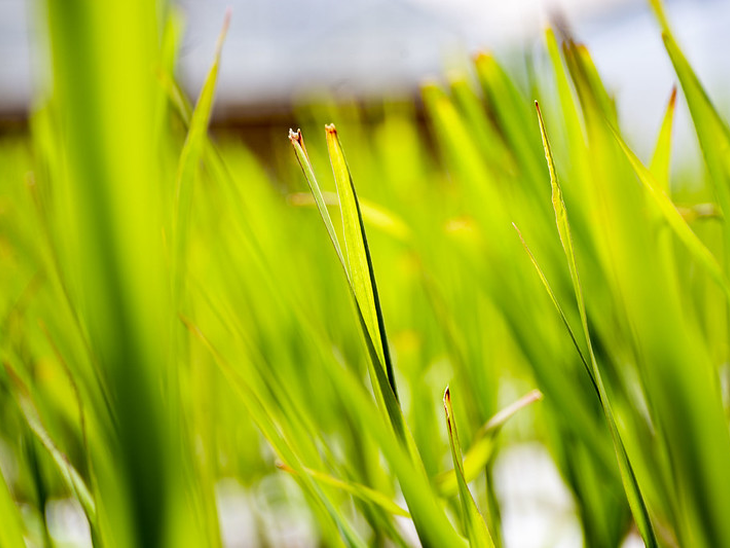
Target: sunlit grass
<point x="177" y="314"/>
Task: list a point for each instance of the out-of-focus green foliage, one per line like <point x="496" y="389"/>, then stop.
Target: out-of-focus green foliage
<point x="172" y="317"/>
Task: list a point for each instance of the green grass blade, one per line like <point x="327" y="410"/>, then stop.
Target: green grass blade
<point x="712" y="131"/>
<point x="71" y="477"/>
<point x="482" y="447"/>
<point x="474" y="524"/>
<point x="675" y="220"/>
<point x="271" y="431"/>
<point x="191" y="155"/>
<point x="372" y="214"/>
<point x="363" y="492"/>
<point x="633" y="491"/>
<point x="358" y="254"/>
<point x="375" y="347"/>
<point x="300" y="150"/>
<point x="660" y="161"/>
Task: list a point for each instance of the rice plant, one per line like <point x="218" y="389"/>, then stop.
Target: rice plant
<point x="352" y="332"/>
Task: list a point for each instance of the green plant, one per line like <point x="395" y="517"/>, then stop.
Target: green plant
<point x="171" y="317"/>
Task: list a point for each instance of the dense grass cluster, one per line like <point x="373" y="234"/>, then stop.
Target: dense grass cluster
<point x="173" y="314"/>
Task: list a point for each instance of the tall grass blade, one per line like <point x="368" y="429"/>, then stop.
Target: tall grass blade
<point x="675" y="220"/>
<point x="633" y="491"/>
<point x="660" y="161"/>
<point x="363" y="492"/>
<point x="358" y="254"/>
<point x="712" y="131"/>
<point x="191" y="155"/>
<point x="476" y="527"/>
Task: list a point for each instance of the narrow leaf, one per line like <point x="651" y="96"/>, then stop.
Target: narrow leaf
<point x="633" y="492"/>
<point x="712" y="131"/>
<point x="476" y="528"/>
<point x="362" y="492"/>
<point x="300" y="150"/>
<point x="660" y="161"/>
<point x="71" y="477"/>
<point x="191" y="154"/>
<point x="482" y="447"/>
<point x="358" y="253"/>
<point x="675" y="220"/>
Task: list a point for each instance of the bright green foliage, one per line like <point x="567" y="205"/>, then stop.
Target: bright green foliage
<point x="174" y="322"/>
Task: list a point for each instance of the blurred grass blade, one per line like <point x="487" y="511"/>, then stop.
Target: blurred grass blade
<point x="675" y="220"/>
<point x="631" y="486"/>
<point x="258" y="412"/>
<point x="482" y="447"/>
<point x="11" y="530"/>
<point x="71" y="477"/>
<point x="358" y="254"/>
<point x="373" y="214"/>
<point x="660" y="161"/>
<point x="191" y="154"/>
<point x="712" y="131"/>
<point x="476" y="527"/>
<point x="362" y="492"/>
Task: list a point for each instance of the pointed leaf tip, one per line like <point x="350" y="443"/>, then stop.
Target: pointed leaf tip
<point x="224" y="31"/>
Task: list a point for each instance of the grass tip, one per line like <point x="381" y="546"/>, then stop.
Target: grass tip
<point x="673" y="96"/>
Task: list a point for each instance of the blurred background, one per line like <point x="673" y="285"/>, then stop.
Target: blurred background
<point x="279" y="53"/>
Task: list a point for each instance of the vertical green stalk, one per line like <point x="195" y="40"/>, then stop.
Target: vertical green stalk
<point x="103" y="56"/>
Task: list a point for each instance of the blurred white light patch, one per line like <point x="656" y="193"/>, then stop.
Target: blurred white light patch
<point x="67" y="523"/>
<point x="537" y="509"/>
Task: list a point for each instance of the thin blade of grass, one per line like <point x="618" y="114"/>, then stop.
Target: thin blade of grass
<point x="363" y="492"/>
<point x="660" y="161"/>
<point x="482" y="447"/>
<point x="191" y="155"/>
<point x="71" y="477"/>
<point x="633" y="491"/>
<point x="300" y="150"/>
<point x="385" y="392"/>
<point x="474" y="524"/>
<point x="675" y="220"/>
<point x="712" y="131"/>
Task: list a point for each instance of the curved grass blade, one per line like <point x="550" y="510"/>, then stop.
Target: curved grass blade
<point x="482" y="447"/>
<point x="432" y="525"/>
<point x="675" y="220"/>
<point x="362" y="492"/>
<point x="631" y="486"/>
<point x="712" y="131"/>
<point x="71" y="477"/>
<point x="476" y="528"/>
